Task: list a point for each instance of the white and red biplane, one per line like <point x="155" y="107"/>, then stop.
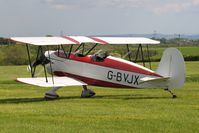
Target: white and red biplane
<point x="73" y="68"/>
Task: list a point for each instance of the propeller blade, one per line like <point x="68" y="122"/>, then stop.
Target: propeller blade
<point x="29" y="68"/>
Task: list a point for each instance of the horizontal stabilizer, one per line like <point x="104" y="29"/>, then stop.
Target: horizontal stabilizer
<point x="153" y="79"/>
<point x="58" y="81"/>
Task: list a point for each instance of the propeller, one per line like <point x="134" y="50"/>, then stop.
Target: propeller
<point x="42" y="60"/>
<point x="36" y="74"/>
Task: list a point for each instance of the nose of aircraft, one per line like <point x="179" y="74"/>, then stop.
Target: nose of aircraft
<point x="42" y="60"/>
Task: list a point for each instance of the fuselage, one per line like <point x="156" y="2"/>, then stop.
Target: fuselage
<point x="107" y="72"/>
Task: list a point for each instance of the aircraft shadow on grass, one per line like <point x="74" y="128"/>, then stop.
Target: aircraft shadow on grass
<point x="41" y="99"/>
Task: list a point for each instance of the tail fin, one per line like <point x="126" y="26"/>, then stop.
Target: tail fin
<point x="172" y="65"/>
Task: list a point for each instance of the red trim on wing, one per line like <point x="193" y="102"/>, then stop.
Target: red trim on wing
<point x="71" y="39"/>
<point x="111" y="63"/>
<point x="91" y="81"/>
<point x="99" y="40"/>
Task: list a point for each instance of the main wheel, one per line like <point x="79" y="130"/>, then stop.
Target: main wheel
<point x="86" y="93"/>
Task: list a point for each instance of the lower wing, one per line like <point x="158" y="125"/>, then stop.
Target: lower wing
<point x="58" y="81"/>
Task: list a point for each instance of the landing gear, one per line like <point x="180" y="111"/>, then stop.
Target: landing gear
<point x="173" y="95"/>
<point x="86" y="93"/>
<point x="51" y="94"/>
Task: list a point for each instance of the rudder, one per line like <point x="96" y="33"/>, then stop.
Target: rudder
<point x="172" y="65"/>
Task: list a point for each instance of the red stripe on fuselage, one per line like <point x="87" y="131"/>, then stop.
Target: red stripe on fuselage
<point x="99" y="40"/>
<point x="91" y="81"/>
<point x="71" y="39"/>
<point x="110" y="63"/>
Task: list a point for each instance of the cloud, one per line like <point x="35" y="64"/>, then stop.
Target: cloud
<point x="95" y="3"/>
<point x="122" y="3"/>
<point x="171" y="8"/>
<point x="154" y="6"/>
<point x="195" y="2"/>
<point x="60" y="4"/>
<point x="176" y="7"/>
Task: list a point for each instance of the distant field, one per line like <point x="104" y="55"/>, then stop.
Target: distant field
<point x="23" y="109"/>
<point x="187" y="52"/>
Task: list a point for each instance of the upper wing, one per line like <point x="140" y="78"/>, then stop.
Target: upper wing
<point x="58" y="82"/>
<point x="42" y="40"/>
<point x="125" y="40"/>
<point x="83" y="39"/>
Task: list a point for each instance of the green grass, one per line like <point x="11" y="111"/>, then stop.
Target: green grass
<point x="23" y="109"/>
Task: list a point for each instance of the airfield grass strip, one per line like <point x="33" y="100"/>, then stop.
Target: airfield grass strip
<point x="23" y="108"/>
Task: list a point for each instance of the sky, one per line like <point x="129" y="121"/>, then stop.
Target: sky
<point x="97" y="17"/>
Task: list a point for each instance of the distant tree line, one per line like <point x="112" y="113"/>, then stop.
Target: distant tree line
<point x="179" y="42"/>
<point x="5" y="41"/>
<point x="11" y="54"/>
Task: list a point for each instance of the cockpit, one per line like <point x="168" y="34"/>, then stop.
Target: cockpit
<point x="99" y="57"/>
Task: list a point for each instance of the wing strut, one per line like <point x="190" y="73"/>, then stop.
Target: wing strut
<point x="142" y="54"/>
<point x="44" y="67"/>
<point x="71" y="48"/>
<point x="29" y="60"/>
<point x="137" y="53"/>
<point x="39" y="50"/>
<point x="50" y="66"/>
<point x="91" y="49"/>
<point x="83" y="48"/>
<point x="64" y="50"/>
<point x="148" y="54"/>
<point x="127" y="46"/>
<point x="58" y="48"/>
<point x="78" y="47"/>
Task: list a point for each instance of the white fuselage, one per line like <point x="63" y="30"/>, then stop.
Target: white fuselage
<point x="112" y="72"/>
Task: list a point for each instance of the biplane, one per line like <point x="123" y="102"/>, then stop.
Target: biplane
<point x="77" y="67"/>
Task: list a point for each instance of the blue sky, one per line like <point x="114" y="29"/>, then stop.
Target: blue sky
<point x="97" y="17"/>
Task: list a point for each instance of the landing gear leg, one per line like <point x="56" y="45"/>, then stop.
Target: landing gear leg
<point x="173" y="95"/>
<point x="86" y="93"/>
<point x="51" y="94"/>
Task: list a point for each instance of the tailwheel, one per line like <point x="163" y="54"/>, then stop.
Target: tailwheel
<point x="173" y="95"/>
<point x="86" y="93"/>
<point x="51" y="94"/>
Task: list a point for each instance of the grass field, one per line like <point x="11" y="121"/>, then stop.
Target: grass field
<point x="23" y="109"/>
